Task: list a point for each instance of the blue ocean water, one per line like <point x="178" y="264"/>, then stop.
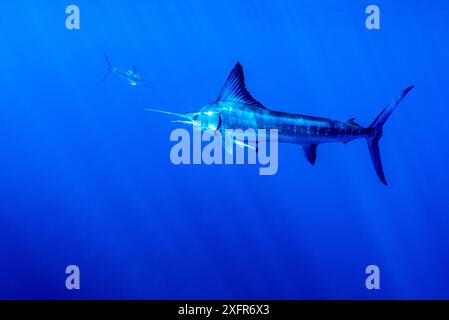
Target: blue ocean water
<point x="86" y="177"/>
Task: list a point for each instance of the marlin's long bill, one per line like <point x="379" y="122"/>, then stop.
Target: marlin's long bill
<point x="185" y="116"/>
<point x="188" y="116"/>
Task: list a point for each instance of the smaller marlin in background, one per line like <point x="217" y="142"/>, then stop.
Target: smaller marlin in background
<point x="131" y="76"/>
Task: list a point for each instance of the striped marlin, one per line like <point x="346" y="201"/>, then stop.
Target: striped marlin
<point x="235" y="108"/>
<point x="131" y="76"/>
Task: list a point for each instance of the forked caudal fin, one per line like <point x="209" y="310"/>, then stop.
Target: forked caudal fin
<point x="108" y="62"/>
<point x="375" y="133"/>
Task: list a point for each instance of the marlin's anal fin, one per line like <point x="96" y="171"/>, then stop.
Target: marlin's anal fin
<point x="235" y="90"/>
<point x="310" y="152"/>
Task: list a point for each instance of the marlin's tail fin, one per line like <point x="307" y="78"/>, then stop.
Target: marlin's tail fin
<point x="109" y="65"/>
<point x="375" y="131"/>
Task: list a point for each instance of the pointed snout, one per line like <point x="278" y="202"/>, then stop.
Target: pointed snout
<point x="189" y="117"/>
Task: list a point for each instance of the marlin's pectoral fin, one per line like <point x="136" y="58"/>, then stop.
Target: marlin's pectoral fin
<point x="228" y="146"/>
<point x="310" y="152"/>
<point x="242" y="144"/>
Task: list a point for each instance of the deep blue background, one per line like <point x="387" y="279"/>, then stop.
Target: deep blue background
<point x="86" y="179"/>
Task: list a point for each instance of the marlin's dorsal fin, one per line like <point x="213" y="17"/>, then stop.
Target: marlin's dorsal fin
<point x="134" y="69"/>
<point x="234" y="89"/>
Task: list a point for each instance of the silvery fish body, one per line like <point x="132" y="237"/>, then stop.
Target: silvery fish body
<point x="292" y="128"/>
<point x="235" y="108"/>
<point x="130" y="76"/>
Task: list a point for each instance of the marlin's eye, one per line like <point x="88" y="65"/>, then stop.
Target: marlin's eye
<point x="195" y="117"/>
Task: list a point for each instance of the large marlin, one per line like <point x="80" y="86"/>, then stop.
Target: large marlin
<point x="131" y="76"/>
<point x="235" y="108"/>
